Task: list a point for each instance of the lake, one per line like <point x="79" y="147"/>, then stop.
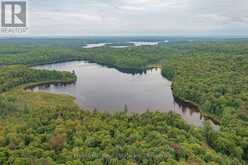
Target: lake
<point x="108" y="89"/>
<point x="124" y="44"/>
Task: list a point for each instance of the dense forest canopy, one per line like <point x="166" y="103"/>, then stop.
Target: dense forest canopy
<point x="15" y="75"/>
<point x="51" y="129"/>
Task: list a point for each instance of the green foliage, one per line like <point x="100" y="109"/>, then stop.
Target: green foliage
<point x="217" y="83"/>
<point x="12" y="76"/>
<point x="65" y="135"/>
<point x="40" y="128"/>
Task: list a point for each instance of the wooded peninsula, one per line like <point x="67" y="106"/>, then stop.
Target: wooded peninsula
<point x="43" y="128"/>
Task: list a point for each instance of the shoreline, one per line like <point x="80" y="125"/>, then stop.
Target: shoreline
<point x="195" y="106"/>
<point x="125" y="70"/>
<point x="30" y="86"/>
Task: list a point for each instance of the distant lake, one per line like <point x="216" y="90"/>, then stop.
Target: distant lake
<point x="124" y="45"/>
<point x="108" y="89"/>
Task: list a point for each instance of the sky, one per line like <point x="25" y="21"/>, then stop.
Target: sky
<point x="137" y="17"/>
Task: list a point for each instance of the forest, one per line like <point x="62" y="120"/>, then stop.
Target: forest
<point x="42" y="128"/>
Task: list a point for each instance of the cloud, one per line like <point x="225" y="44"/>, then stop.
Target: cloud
<point x="141" y="17"/>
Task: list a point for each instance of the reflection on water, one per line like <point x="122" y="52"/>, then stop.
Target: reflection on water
<point x="109" y="89"/>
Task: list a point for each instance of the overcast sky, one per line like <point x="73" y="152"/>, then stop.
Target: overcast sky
<point x="138" y="17"/>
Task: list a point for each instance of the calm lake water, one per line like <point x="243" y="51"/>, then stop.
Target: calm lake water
<point x="107" y="89"/>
